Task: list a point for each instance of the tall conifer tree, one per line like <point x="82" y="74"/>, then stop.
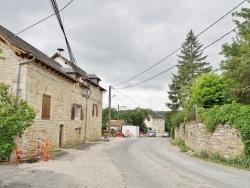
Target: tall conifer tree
<point x="191" y="63"/>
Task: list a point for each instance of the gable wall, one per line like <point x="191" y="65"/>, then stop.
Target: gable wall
<point x="157" y="124"/>
<point x="36" y="80"/>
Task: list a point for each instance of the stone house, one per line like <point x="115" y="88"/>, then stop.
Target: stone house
<point x="156" y="122"/>
<point x="67" y="100"/>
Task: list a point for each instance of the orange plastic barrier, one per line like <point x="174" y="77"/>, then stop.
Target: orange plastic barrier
<point x="32" y="149"/>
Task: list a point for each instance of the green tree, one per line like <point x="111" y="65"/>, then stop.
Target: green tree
<point x="15" y="117"/>
<point x="237" y="62"/>
<point x="190" y="65"/>
<point x="136" y="117"/>
<point x="105" y="116"/>
<point x="168" y="123"/>
<point x="210" y="89"/>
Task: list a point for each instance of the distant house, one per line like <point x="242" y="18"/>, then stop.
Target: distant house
<point x="156" y="122"/>
<point x="116" y="124"/>
<point x="67" y="100"/>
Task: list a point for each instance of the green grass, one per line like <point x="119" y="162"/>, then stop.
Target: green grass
<point x="181" y="144"/>
<point x="236" y="162"/>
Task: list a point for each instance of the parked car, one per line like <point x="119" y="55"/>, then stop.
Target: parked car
<point x="141" y="134"/>
<point x="165" y="135"/>
<point x="151" y="133"/>
<point x="118" y="134"/>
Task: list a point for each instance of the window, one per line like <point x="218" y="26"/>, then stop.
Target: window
<point x="95" y="110"/>
<point x="46" y="102"/>
<point x="77" y="113"/>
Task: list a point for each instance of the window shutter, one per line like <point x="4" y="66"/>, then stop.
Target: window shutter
<point x="96" y="110"/>
<point x="73" y="112"/>
<point x="46" y="103"/>
<point x="82" y="113"/>
<point x="93" y="110"/>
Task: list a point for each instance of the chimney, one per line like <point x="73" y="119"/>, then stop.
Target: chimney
<point x="60" y="50"/>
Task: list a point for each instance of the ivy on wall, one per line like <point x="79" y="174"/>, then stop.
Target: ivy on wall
<point x="235" y="114"/>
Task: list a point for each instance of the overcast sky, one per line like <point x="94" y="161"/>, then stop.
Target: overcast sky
<point x="118" y="39"/>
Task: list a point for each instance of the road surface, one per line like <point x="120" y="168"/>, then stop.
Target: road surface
<point x="154" y="162"/>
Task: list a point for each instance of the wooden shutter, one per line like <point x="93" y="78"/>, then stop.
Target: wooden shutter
<point x="82" y="113"/>
<point x="46" y="103"/>
<point x="73" y="112"/>
<point x="96" y="110"/>
<point x="93" y="110"/>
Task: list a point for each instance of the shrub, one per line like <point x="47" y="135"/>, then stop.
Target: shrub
<point x="15" y="117"/>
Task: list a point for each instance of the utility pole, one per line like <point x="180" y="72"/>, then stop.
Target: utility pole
<point x="109" y="121"/>
<point x="119" y="115"/>
<point x="118" y="119"/>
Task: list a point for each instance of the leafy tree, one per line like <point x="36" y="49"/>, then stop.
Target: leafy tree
<point x="237" y="62"/>
<point x="105" y="116"/>
<point x="15" y="117"/>
<point x="190" y="65"/>
<point x="136" y="117"/>
<point x="211" y="89"/>
<point x="168" y="116"/>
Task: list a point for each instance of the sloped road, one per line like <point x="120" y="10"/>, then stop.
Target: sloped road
<point x="154" y="162"/>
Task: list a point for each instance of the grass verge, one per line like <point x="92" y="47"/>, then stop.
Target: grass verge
<point x="236" y="162"/>
<point x="181" y="144"/>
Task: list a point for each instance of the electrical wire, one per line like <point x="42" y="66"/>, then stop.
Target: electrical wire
<point x="128" y="97"/>
<point x="44" y="19"/>
<point x="181" y="46"/>
<point x="176" y="65"/>
<point x="57" y="13"/>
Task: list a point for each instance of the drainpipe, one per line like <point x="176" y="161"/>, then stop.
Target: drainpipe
<point x="18" y="76"/>
<point x="85" y="131"/>
<point x="88" y="93"/>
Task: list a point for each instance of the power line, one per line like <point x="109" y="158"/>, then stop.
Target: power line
<point x="44" y="18"/>
<point x="57" y="13"/>
<point x="181" y="46"/>
<point x="176" y="65"/>
<point x="128" y="97"/>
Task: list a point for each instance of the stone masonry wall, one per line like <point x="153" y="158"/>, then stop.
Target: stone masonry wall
<point x="36" y="80"/>
<point x="224" y="140"/>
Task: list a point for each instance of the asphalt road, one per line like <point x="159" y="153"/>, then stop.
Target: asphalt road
<point x="155" y="163"/>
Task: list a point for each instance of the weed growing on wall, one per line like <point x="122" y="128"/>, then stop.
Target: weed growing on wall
<point x="235" y="114"/>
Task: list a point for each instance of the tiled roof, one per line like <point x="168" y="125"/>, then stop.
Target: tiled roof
<point x="154" y="114"/>
<point x="92" y="76"/>
<point x="116" y="122"/>
<point x="79" y="70"/>
<point x="23" y="45"/>
<point x="27" y="49"/>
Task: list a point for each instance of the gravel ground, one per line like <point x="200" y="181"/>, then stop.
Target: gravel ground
<point x="86" y="166"/>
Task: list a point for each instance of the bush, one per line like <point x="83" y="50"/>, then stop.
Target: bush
<point x="15" y="117"/>
<point x="105" y="133"/>
<point x="177" y="119"/>
<point x="203" y="154"/>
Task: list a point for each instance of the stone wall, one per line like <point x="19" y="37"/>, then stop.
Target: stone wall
<point x="36" y="80"/>
<point x="224" y="140"/>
